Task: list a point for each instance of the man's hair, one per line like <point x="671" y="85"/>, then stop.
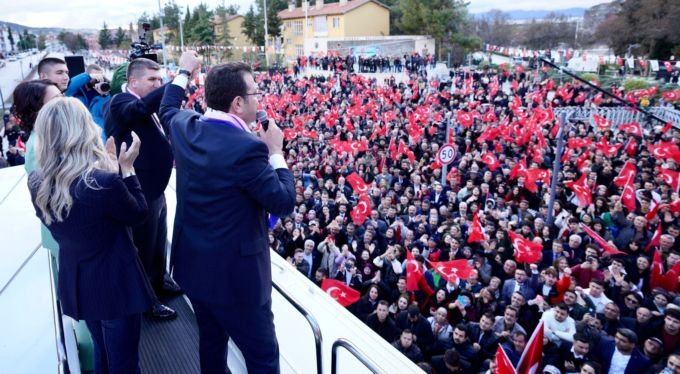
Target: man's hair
<point x="598" y="282"/>
<point x="488" y="315"/>
<point x="93" y="67"/>
<point x="48" y="62"/>
<point x="562" y="306"/>
<point x="510" y="307"/>
<point x="628" y="334"/>
<point x="583" y="338"/>
<point x="462" y="327"/>
<point x="406" y="331"/>
<point x="384" y="303"/>
<point x="673" y="312"/>
<point x="224" y="83"/>
<point x="138" y="65"/>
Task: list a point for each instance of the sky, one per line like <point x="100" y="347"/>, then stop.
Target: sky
<point x="83" y="14"/>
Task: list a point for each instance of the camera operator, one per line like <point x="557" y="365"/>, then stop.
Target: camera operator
<point x="92" y="89"/>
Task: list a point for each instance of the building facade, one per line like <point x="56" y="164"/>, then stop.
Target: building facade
<point x="308" y="28"/>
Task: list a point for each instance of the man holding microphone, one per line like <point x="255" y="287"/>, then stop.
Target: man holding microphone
<point x="228" y="179"/>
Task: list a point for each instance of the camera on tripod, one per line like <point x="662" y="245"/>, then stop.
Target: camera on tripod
<point x="141" y="48"/>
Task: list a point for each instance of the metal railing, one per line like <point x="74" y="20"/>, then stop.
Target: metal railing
<point x="354" y="351"/>
<point x="621" y="115"/>
<point x="312" y="323"/>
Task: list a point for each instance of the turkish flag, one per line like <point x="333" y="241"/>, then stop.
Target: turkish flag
<point x="628" y="196"/>
<point x="656" y="238"/>
<point x="665" y="150"/>
<point x="361" y="211"/>
<point x="491" y="161"/>
<point x="631" y="147"/>
<point x="632" y="128"/>
<point x="530" y="361"/>
<point x="628" y="171"/>
<point x="574" y="143"/>
<point x="525" y="250"/>
<point x="519" y="170"/>
<point x="657" y="278"/>
<point x="600" y="241"/>
<point x="464" y="118"/>
<point x="357" y="183"/>
<point x="392" y="148"/>
<point x="290" y="134"/>
<point x="671" y="177"/>
<point x="582" y="190"/>
<point x="20" y="144"/>
<point x="414" y="272"/>
<point x="476" y="230"/>
<point x="601" y="122"/>
<point x="585" y="156"/>
<point x="534" y="175"/>
<point x="597" y="100"/>
<point x="489" y="116"/>
<point x="608" y="150"/>
<point x="452" y="270"/>
<point x="342" y="293"/>
<point x="503" y="364"/>
<point x="671" y="95"/>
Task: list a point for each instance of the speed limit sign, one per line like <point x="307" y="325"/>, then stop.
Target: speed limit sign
<point x="446" y="154"/>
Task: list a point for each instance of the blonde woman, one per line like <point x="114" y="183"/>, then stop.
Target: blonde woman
<point x="79" y="194"/>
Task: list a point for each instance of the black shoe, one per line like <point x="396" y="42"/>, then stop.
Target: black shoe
<point x="169" y="287"/>
<point x="161" y="312"/>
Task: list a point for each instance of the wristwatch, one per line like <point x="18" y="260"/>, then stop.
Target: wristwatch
<point x="185" y="72"/>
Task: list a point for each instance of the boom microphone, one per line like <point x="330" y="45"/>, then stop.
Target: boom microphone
<point x="261" y="118"/>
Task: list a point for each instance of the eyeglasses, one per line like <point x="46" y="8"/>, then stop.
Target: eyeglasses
<point x="256" y="94"/>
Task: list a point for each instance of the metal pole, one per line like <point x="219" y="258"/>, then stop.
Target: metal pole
<point x="446" y="141"/>
<point x="162" y="33"/>
<point x="266" y="36"/>
<point x="557" y="165"/>
<point x="2" y="100"/>
<point x="181" y="34"/>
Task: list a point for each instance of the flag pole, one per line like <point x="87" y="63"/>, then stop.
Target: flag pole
<point x="557" y="165"/>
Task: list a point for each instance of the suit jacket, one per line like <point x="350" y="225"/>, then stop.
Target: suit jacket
<point x="225" y="187"/>
<point x="100" y="274"/>
<point x="125" y="113"/>
<point x="637" y="363"/>
<point x="528" y="289"/>
<point x="562" y="355"/>
<point x="488" y="342"/>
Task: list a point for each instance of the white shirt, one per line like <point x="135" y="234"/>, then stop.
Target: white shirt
<point x="599" y="302"/>
<point x="619" y="362"/>
<point x="555" y="330"/>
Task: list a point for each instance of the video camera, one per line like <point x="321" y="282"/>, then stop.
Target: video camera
<point x="141" y="48"/>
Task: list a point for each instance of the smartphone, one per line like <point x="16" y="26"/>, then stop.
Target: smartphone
<point x="463" y="300"/>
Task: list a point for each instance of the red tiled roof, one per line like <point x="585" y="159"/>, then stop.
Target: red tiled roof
<point x="333" y="8"/>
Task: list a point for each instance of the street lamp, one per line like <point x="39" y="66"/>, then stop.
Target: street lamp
<point x="266" y="35"/>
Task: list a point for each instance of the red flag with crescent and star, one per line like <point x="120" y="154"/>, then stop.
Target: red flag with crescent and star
<point x="362" y="210"/>
<point x="476" y="230"/>
<point x="451" y="270"/>
<point x="526" y="251"/>
<point x="600" y="241"/>
<point x="340" y="292"/>
<point x="414" y="272"/>
<point x="357" y="183"/>
<point x="582" y="190"/>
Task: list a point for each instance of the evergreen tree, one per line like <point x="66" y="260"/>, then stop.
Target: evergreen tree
<point x="224" y="39"/>
<point x="41" y="42"/>
<point x="120" y="38"/>
<point x="105" y="39"/>
<point x="10" y="37"/>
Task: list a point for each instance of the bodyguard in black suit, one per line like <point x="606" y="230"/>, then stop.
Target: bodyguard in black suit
<point x="135" y="110"/>
<point x="228" y="179"/>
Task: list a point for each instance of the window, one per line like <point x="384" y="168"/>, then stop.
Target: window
<point x="287" y="25"/>
<point x="336" y="22"/>
<point x="309" y="22"/>
<point x="320" y="25"/>
<point x="299" y="50"/>
<point x="289" y="41"/>
<point x="297" y="27"/>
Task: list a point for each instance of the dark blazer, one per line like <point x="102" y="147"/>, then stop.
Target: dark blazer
<point x="225" y="187"/>
<point x="528" y="289"/>
<point x="125" y="113"/>
<point x="488" y="342"/>
<point x="637" y="364"/>
<point x="100" y="274"/>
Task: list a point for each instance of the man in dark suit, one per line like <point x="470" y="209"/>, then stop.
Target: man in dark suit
<point x="228" y="179"/>
<point x="135" y="110"/>
<point x="483" y="339"/>
<point x="521" y="283"/>
<point x="621" y="355"/>
<point x="569" y="357"/>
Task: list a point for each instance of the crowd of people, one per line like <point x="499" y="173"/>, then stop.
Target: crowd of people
<point x="604" y="307"/>
<point x="375" y="210"/>
<point x="365" y="64"/>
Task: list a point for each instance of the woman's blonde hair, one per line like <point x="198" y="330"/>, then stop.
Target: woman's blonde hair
<point x="68" y="146"/>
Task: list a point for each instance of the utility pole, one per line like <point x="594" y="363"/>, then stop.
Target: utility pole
<point x="162" y="33"/>
<point x="266" y="35"/>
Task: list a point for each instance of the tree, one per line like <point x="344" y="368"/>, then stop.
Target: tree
<point x="105" y="39"/>
<point x="253" y="23"/>
<point x="120" y="37"/>
<point x="41" y="42"/>
<point x="26" y="41"/>
<point x="224" y="39"/>
<point x="171" y="20"/>
<point x="549" y="32"/>
<point x="493" y="28"/>
<point x="444" y="20"/>
<point x="650" y="23"/>
<point x="72" y="42"/>
<point x="250" y="27"/>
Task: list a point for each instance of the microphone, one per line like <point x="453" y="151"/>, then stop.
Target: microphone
<point x="261" y="118"/>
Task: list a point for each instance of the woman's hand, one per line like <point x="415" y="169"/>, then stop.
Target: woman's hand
<point x="127" y="156"/>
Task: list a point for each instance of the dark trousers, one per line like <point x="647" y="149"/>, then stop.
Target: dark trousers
<point x="116" y="344"/>
<point x="251" y="328"/>
<point x="150" y="238"/>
